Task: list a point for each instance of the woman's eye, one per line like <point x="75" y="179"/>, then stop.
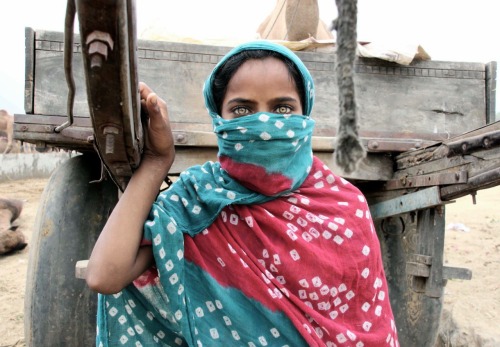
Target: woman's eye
<point x="241" y="111"/>
<point x="283" y="109"/>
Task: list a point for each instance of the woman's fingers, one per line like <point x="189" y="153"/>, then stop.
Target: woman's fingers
<point x="159" y="141"/>
<point x="156" y="107"/>
<point x="148" y="98"/>
<point x="144" y="90"/>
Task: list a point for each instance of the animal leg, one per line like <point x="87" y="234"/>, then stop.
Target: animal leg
<point x="11" y="241"/>
<point x="14" y="206"/>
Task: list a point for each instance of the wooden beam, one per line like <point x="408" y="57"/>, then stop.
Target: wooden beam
<point x="81" y="269"/>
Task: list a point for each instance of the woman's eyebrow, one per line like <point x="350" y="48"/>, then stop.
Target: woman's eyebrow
<point x="285" y="99"/>
<point x="240" y="101"/>
<point x="245" y="101"/>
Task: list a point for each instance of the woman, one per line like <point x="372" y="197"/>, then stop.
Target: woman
<point x="266" y="247"/>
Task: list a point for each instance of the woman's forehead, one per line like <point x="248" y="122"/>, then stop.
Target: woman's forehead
<point x="265" y="69"/>
<point x="262" y="80"/>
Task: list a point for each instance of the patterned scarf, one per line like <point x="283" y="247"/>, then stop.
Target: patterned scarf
<point x="252" y="148"/>
<point x="266" y="247"/>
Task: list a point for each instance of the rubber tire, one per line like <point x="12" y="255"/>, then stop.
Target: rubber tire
<point x="60" y="310"/>
<point x="417" y="315"/>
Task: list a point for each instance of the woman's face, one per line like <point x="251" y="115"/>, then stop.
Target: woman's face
<point x="261" y="85"/>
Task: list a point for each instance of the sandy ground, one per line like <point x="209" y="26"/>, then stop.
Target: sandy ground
<point x="472" y="308"/>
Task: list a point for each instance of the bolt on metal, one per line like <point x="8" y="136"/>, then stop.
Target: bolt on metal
<point x="99" y="45"/>
<point x="110" y="132"/>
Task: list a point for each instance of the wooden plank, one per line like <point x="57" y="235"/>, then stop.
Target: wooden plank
<point x="51" y="91"/>
<point x="394" y="98"/>
<point x="422" y="259"/>
<point x="482" y="171"/>
<point x="440" y="150"/>
<point x="450" y="272"/>
<point x="50" y="120"/>
<point x="81" y="269"/>
<point x="476" y="154"/>
<point x="417" y="269"/>
<point x="29" y="68"/>
<point x="187" y="134"/>
<point x="427" y="180"/>
<point x="415" y="201"/>
<point x="430" y="242"/>
<point x="491" y="90"/>
<point x="487" y="178"/>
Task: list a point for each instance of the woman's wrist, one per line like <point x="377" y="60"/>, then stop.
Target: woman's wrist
<point x="154" y="169"/>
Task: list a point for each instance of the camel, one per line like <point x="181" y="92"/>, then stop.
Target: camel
<point x="11" y="239"/>
<point x="7" y="142"/>
<point x="6" y="129"/>
<point x="294" y="20"/>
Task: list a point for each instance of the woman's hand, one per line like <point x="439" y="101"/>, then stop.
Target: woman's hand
<point x="159" y="143"/>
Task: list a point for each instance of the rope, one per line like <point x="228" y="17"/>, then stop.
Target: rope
<point x="348" y="151"/>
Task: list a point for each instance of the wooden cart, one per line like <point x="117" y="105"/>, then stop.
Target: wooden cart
<point x="429" y="130"/>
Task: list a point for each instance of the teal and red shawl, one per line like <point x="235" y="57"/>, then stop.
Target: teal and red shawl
<point x="266" y="247"/>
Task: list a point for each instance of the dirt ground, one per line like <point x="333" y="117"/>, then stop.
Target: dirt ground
<point x="472" y="308"/>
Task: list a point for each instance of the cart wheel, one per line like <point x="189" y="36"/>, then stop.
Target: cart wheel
<point x="417" y="314"/>
<point x="60" y="309"/>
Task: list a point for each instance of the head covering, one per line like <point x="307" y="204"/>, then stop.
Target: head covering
<point x="266" y="152"/>
<point x="269" y="46"/>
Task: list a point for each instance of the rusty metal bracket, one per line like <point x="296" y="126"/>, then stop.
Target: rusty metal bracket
<point x="385" y="145"/>
<point x="109" y="52"/>
<point x="481" y="180"/>
<point x="421" y="199"/>
<point x="427" y="180"/>
<point x="465" y="146"/>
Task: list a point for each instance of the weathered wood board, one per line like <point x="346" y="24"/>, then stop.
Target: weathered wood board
<point x="428" y="100"/>
<point x="399" y="107"/>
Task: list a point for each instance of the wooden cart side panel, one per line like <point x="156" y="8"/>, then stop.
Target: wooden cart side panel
<point x="425" y="97"/>
<point x="433" y="104"/>
<point x="49" y="85"/>
<point x="440" y="99"/>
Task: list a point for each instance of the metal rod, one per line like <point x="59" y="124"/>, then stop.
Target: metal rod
<point x="68" y="60"/>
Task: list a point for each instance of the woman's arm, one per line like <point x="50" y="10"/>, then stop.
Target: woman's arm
<point x="117" y="258"/>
